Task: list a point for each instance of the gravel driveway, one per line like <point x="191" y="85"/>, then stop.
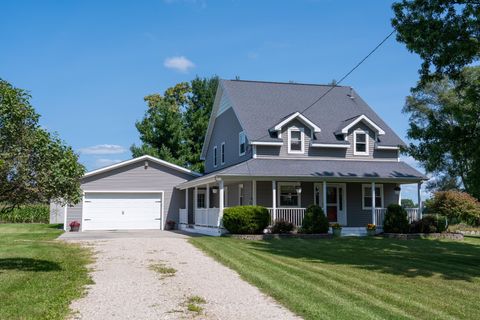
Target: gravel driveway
<point x="127" y="288"/>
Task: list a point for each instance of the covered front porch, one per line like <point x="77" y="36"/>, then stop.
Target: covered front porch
<point x="351" y="203"/>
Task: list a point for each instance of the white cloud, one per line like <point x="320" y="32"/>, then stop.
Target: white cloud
<point x="103" y="162"/>
<point x="181" y="64"/>
<point x="103" y="149"/>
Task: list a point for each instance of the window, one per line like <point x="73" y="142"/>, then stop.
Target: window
<point x="240" y="194"/>
<point x="295" y="140"/>
<point x="215" y="158"/>
<point x="288" y="195"/>
<point x="222" y="153"/>
<point x="360" y="142"/>
<point x="242" y="143"/>
<point x="367" y="196"/>
<point x="201" y="199"/>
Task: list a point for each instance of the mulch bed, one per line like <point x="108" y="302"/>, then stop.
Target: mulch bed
<point x="269" y="236"/>
<point x="410" y="236"/>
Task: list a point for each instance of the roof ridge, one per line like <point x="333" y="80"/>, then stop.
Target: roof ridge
<point x="287" y="83"/>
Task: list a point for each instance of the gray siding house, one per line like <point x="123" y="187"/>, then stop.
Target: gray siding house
<point x="278" y="145"/>
<point x="284" y="146"/>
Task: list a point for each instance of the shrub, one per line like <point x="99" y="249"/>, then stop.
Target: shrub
<point x="456" y="206"/>
<point x="246" y="219"/>
<point x="314" y="221"/>
<point x="37" y="213"/>
<point x="282" y="226"/>
<point x="396" y="220"/>
<point x="429" y="224"/>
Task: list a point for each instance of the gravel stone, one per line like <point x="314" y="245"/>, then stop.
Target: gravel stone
<point x="126" y="288"/>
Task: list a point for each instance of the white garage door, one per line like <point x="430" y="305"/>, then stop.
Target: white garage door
<point x="122" y="211"/>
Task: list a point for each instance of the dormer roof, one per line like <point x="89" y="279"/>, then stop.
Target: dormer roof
<point x="349" y="123"/>
<point x="296" y="115"/>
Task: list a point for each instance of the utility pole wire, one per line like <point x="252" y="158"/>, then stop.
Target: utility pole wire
<point x="349" y="72"/>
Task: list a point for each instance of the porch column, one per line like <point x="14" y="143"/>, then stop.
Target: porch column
<point x="325" y="197"/>
<point x="400" y="197"/>
<point x="420" y="204"/>
<point x="374" y="220"/>
<point x="254" y="192"/>
<point x="220" y="202"/>
<point x="207" y="196"/>
<point x="274" y="200"/>
<point x="195" y="204"/>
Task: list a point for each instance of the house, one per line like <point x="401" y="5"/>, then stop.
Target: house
<point x="284" y="146"/>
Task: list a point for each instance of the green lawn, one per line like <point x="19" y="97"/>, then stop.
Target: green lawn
<point x="360" y="278"/>
<point x="38" y="276"/>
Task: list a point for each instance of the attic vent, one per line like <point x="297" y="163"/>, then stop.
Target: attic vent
<point x="351" y="94"/>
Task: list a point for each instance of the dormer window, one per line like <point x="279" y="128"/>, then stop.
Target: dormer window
<point x="296" y="140"/>
<point x="215" y="156"/>
<point x="242" y="145"/>
<point x="360" y="143"/>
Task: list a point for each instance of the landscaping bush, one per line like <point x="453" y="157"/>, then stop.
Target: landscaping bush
<point x="246" y="219"/>
<point x="314" y="221"/>
<point x="429" y="224"/>
<point x="396" y="220"/>
<point x="282" y="226"/>
<point x="456" y="206"/>
<point x="39" y="213"/>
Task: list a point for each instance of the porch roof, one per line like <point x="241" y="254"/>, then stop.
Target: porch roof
<point x="346" y="170"/>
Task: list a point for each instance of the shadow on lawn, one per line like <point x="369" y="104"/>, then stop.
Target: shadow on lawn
<point x="28" y="264"/>
<point x="410" y="258"/>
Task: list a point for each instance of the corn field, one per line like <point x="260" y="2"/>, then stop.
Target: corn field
<point x="39" y="213"/>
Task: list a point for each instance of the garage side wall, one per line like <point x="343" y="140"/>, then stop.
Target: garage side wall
<point x="138" y="177"/>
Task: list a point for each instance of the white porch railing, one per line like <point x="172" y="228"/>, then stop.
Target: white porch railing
<point x="183" y="218"/>
<point x="293" y="215"/>
<point x="207" y="217"/>
<point x="412" y="215"/>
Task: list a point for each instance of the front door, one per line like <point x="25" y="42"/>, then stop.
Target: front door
<point x="335" y="207"/>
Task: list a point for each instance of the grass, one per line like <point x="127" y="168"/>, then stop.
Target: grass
<point x="366" y="278"/>
<point x="163" y="269"/>
<point x="39" y="277"/>
<point x="193" y="304"/>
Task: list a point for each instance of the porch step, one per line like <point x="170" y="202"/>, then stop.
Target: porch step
<point x="356" y="231"/>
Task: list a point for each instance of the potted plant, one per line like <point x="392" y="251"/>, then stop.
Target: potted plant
<point x="74" y="226"/>
<point x="371" y="229"/>
<point x="336" y="230"/>
<point x="170" y="225"/>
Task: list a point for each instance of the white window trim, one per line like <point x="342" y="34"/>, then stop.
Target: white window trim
<point x="302" y="139"/>
<point x="360" y="153"/>
<point x="241" y="195"/>
<point x="215" y="157"/>
<point x="222" y="153"/>
<point x="279" y="193"/>
<point x="204" y="192"/>
<point x="241" y="136"/>
<point x="364" y="186"/>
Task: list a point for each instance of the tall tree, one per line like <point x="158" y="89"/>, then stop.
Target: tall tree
<point x="174" y="124"/>
<point x="162" y="128"/>
<point x="197" y="116"/>
<point x="35" y="166"/>
<point x="444" y="33"/>
<point x="444" y="121"/>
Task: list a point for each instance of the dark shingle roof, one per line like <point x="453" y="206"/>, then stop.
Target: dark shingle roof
<point x="261" y="105"/>
<point x="323" y="168"/>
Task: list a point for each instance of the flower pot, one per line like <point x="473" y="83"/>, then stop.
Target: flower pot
<point x="337" y="232"/>
<point x="371" y="232"/>
<point x="74" y="228"/>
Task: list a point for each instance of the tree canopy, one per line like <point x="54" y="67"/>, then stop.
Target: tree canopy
<point x="444" y="123"/>
<point x="175" y="124"/>
<point x="35" y="165"/>
<point x="444" y="33"/>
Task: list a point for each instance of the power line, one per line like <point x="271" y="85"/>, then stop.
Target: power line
<point x="349" y="72"/>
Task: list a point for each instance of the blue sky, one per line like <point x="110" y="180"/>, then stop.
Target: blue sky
<point x="88" y="64"/>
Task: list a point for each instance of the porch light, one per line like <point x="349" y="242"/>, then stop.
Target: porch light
<point x="298" y="189"/>
<point x="214" y="190"/>
<point x="397" y="190"/>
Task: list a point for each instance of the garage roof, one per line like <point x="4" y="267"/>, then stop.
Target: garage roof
<point x="142" y="158"/>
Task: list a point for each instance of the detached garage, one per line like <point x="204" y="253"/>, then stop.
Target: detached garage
<point x="136" y="194"/>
